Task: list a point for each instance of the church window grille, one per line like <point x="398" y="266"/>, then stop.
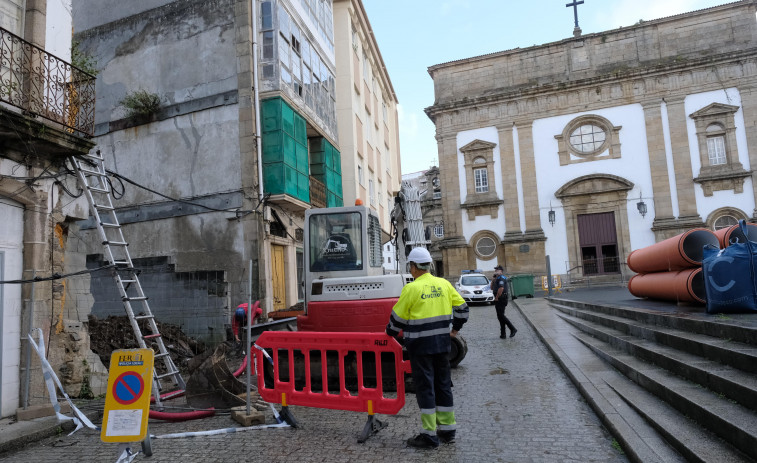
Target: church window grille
<point x="724" y="221"/>
<point x="439" y="230"/>
<point x="587" y="138"/>
<point x="486" y="246"/>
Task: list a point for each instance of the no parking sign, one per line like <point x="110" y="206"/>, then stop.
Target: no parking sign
<point x="127" y="401"/>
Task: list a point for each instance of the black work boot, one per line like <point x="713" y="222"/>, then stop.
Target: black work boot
<point x="423" y="441"/>
<point x="512" y="332"/>
<point x="446" y="437"/>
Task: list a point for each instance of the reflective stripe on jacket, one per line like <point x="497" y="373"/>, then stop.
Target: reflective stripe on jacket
<point x="424" y="311"/>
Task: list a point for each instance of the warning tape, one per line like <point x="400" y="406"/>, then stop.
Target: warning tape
<point x="51" y="380"/>
<point x="219" y="431"/>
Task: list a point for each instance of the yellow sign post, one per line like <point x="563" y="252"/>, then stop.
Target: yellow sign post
<point x="127" y="399"/>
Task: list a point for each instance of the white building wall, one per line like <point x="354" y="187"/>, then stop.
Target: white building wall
<point x="471" y="227"/>
<point x="11" y="268"/>
<point x="58" y="29"/>
<point x="633" y="165"/>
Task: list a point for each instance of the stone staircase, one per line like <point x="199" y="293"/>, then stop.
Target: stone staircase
<point x="687" y="388"/>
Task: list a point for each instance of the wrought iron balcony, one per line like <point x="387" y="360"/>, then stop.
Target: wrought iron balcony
<point x="41" y="84"/>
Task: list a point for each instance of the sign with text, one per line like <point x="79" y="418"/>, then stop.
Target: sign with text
<point x="556" y="282"/>
<point x="127" y="399"/>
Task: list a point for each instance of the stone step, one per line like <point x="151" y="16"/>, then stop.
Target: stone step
<point x="722" y="350"/>
<point x="730" y="382"/>
<point x="686" y="436"/>
<point x="733" y="423"/>
<point x="736" y="327"/>
<point x="640" y="441"/>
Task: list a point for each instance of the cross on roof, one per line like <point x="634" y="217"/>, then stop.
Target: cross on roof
<point x="575" y="10"/>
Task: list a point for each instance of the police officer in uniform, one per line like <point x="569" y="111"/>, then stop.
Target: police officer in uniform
<point x="499" y="287"/>
<point x="426" y="308"/>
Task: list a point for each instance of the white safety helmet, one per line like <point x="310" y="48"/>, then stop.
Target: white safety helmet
<point x="419" y="256"/>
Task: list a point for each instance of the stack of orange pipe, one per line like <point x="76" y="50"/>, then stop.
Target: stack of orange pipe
<point x="671" y="270"/>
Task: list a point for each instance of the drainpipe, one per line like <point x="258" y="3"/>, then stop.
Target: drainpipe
<point x="256" y="97"/>
<point x="262" y="242"/>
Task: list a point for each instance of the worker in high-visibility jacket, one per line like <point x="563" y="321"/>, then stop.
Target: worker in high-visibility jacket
<point x="426" y="308"/>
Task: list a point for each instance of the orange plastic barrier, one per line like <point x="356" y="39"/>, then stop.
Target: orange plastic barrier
<point x="309" y="359"/>
<point x="676" y="253"/>
<point x="680" y="286"/>
<point x="729" y="234"/>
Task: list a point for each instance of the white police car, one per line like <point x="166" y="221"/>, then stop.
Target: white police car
<point x="474" y="286"/>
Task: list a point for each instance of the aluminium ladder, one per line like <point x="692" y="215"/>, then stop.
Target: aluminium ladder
<point x="90" y="171"/>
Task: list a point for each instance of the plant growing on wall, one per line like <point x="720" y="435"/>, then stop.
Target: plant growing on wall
<point x="83" y="60"/>
<point x="140" y="103"/>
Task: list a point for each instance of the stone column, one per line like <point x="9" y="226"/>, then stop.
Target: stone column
<point x="509" y="184"/>
<point x="687" y="204"/>
<point x="35" y="22"/>
<point x="658" y="164"/>
<point x="749" y="109"/>
<point x="453" y="246"/>
<point x="528" y="176"/>
<point x="36" y="258"/>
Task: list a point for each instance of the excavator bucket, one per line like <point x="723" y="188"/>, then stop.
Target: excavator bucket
<point x="212" y="384"/>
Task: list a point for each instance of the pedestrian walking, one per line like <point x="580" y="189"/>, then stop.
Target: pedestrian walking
<point x="426" y="308"/>
<point x="501" y="293"/>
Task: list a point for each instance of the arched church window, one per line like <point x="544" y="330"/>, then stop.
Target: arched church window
<point x="439" y="230"/>
<point x="716" y="144"/>
<point x="724" y="221"/>
<point x="486" y="246"/>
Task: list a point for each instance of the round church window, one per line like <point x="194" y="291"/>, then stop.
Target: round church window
<point x="486" y="246"/>
<point x="587" y="138"/>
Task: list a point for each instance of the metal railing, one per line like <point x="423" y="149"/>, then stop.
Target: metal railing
<point x="596" y="271"/>
<point x="44" y="85"/>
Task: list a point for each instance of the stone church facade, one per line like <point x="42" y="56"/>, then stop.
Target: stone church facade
<point x="588" y="148"/>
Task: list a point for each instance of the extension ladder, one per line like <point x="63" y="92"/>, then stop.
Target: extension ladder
<point x="90" y="170"/>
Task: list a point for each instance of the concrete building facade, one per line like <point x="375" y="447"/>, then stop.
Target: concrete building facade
<point x="45" y="117"/>
<point x="218" y="185"/>
<point x="366" y="114"/>
<point x="588" y="148"/>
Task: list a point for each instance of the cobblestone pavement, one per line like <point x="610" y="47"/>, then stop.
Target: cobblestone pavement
<point x="513" y="404"/>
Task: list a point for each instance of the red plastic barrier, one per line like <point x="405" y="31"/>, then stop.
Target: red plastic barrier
<point x="728" y="234"/>
<point x="676" y="253"/>
<point x="365" y="399"/>
<point x="680" y="286"/>
<point x="368" y="315"/>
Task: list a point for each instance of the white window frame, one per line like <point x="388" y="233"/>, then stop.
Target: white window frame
<point x="716" y="150"/>
<point x="360" y="175"/>
<point x="481" y="178"/>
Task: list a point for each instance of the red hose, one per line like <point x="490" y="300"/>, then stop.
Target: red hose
<point x="182" y="416"/>
<point x="241" y="368"/>
<point x="168" y="396"/>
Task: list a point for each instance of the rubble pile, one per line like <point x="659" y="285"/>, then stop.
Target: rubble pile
<point x="115" y="332"/>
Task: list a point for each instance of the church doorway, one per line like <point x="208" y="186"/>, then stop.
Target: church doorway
<point x="598" y="242"/>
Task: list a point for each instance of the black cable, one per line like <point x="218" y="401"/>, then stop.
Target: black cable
<point x="56" y="276"/>
<point x="121" y="177"/>
<point x="65" y="189"/>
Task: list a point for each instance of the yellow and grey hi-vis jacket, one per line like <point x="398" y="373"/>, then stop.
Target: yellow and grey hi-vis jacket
<point x="424" y="311"/>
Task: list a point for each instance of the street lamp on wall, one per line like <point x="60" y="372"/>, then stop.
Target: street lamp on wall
<point x="551" y="215"/>
<point x="641" y="206"/>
